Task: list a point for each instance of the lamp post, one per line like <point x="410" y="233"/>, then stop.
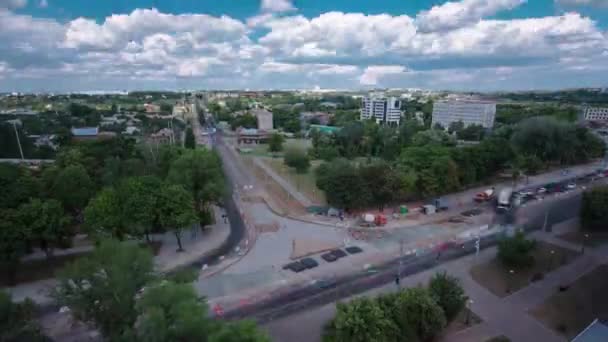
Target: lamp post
<point x="468" y="306"/>
<point x="586" y="237"/>
<point x="550" y="266"/>
<point x="510" y="281"/>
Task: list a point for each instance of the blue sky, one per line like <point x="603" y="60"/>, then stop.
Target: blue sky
<point x="67" y="45"/>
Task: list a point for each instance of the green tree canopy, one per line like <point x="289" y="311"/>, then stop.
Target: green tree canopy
<point x="47" y="223"/>
<point x="594" y="209"/>
<point x="361" y="320"/>
<point x="101" y="288"/>
<point x="17" y="322"/>
<point x="516" y="251"/>
<point x="275" y="143"/>
<point x="298" y="159"/>
<point x="176" y="210"/>
<point x="73" y="187"/>
<point x="190" y="141"/>
<point x="448" y="293"/>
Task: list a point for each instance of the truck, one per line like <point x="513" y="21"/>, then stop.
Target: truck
<point x="440" y="204"/>
<point x="484" y="196"/>
<point x="504" y="199"/>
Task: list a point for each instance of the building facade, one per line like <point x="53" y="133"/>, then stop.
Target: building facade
<point x="264" y="119"/>
<point x="383" y="109"/>
<point x="470" y="112"/>
<point x="596" y="114"/>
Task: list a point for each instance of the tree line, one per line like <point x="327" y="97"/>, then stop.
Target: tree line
<point x="370" y="165"/>
<point x="111" y="188"/>
<point x="412" y="314"/>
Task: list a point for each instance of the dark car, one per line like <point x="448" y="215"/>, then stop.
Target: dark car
<point x="329" y="257"/>
<point x="353" y="250"/>
<point x="339" y="253"/>
<point x="309" y="262"/>
<point x="295" y="266"/>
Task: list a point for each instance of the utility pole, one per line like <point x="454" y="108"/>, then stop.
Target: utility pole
<point x="18" y="141"/>
<point x="401" y="247"/>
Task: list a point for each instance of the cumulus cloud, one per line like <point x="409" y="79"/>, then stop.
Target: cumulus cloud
<point x="574" y="3"/>
<point x="277" y="6"/>
<point x="13" y="4"/>
<point x="373" y="74"/>
<point x="452" y="45"/>
<point x="451" y="15"/>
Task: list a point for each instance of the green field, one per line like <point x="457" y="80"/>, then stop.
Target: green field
<point x="261" y="150"/>
<point x="305" y="183"/>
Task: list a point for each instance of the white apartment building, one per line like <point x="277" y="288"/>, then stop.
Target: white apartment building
<point x="382" y="109"/>
<point x="596" y="114"/>
<point x="470" y="112"/>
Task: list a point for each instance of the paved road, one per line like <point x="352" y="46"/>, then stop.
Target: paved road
<point x="306" y="321"/>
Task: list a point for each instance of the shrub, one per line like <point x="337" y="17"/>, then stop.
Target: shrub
<point x="448" y="293"/>
<point x="516" y="251"/>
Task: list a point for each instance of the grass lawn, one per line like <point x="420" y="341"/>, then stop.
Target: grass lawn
<point x="593" y="239"/>
<point x="306" y="182"/>
<point x="261" y="150"/>
<point x="571" y="311"/>
<point x="460" y="322"/>
<point x="496" y="278"/>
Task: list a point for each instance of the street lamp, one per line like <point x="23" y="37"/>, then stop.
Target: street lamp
<point x="468" y="306"/>
<point x="584" y="243"/>
<point x="510" y="281"/>
<point x="551" y="261"/>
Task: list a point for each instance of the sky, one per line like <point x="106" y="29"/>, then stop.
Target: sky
<point x="481" y="45"/>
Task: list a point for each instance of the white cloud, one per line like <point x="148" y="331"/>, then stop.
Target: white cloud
<point x="451" y="15"/>
<point x="372" y="74"/>
<point x="277" y="6"/>
<point x="13" y="4"/>
<point x="592" y="3"/>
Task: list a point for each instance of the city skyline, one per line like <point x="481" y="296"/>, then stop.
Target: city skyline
<point x="482" y="45"/>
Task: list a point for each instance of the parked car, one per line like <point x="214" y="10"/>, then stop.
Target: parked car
<point x="571" y="186"/>
<point x="309" y="262"/>
<point x="541" y="191"/>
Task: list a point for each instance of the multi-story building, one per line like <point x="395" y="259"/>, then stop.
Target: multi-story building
<point x="382" y="109"/>
<point x="596" y="114"/>
<point x="470" y="112"/>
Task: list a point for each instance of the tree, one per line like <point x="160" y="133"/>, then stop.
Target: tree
<point x="471" y="133"/>
<point x="343" y="185"/>
<point x="18" y="186"/>
<point x="199" y="172"/>
<point x="176" y="210"/>
<point x="73" y="187"/>
<point x="190" y="141"/>
<point x="361" y="320"/>
<point x="515" y="251"/>
<point x="106" y="215"/>
<point x="13" y="243"/>
<point x="594" y="209"/>
<point x="380" y="177"/>
<point x="46" y="222"/>
<point x="275" y="143"/>
<point x="17" y="322"/>
<point x="456" y="127"/>
<point x="298" y="159"/>
<point x="448" y="293"/>
<point x="241" y="331"/>
<point x="415" y="312"/>
<point x="169" y="312"/>
<point x="141" y="196"/>
<point x="101" y="288"/>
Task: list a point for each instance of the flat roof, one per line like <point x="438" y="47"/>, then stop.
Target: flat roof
<point x="595" y="332"/>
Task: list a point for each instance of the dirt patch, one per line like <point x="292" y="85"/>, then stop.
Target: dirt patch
<point x="305" y="247"/>
<point x="587" y="238"/>
<point x="253" y="199"/>
<point x="267" y="228"/>
<point x="464" y="320"/>
<point x="569" y="312"/>
<point x="496" y="278"/>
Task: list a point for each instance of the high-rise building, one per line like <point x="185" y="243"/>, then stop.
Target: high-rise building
<point x="382" y="109"/>
<point x="470" y="112"/>
<point x="596" y="114"/>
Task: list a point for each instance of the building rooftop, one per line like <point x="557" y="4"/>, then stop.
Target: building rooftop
<point x="595" y="332"/>
<point x="85" y="131"/>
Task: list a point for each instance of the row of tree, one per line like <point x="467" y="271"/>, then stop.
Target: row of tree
<point x="117" y="290"/>
<point x="421" y="163"/>
<point x="412" y="314"/>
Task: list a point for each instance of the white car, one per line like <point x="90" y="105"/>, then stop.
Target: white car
<point x="571" y="186"/>
<point x="541" y="191"/>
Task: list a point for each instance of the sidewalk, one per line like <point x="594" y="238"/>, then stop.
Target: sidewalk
<point x="196" y="247"/>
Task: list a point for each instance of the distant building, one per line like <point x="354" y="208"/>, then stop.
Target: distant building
<point x="323" y="129"/>
<point x="130" y="130"/>
<point x="321" y="117"/>
<point x="596" y="114"/>
<point x="44" y="140"/>
<point x="163" y="136"/>
<point x="251" y="136"/>
<point x="85" y="133"/>
<point x="264" y="119"/>
<point x="151" y="108"/>
<point x="386" y="110"/>
<point x="470" y="112"/>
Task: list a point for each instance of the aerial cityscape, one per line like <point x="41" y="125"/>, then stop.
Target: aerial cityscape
<point x="304" y="170"/>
